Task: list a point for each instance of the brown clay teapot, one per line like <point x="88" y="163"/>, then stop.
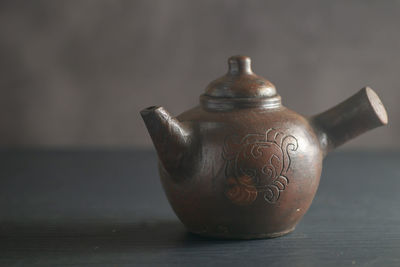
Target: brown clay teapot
<point x="240" y="164"/>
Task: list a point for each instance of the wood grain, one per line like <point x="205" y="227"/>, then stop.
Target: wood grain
<point x="107" y="208"/>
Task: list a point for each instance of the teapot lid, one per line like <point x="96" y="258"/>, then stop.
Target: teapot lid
<point x="240" y="85"/>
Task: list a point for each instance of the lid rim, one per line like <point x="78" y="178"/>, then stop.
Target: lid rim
<point x="227" y="103"/>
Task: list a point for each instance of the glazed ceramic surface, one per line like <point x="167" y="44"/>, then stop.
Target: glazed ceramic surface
<point x="240" y="164"/>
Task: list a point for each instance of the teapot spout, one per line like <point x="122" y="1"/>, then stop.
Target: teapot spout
<point x="361" y="112"/>
<point x="170" y="137"/>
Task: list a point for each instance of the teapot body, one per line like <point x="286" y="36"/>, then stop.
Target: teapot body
<point x="252" y="173"/>
<point x="241" y="165"/>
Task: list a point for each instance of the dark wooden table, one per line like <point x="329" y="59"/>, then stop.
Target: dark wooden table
<point x="107" y="208"/>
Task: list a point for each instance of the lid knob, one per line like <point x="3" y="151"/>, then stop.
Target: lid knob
<point x="239" y="65"/>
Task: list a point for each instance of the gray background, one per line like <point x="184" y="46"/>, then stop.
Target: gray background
<point x="76" y="73"/>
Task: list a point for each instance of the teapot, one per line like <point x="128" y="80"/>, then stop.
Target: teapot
<point x="240" y="165"/>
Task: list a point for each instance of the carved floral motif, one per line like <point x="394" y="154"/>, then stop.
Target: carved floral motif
<point x="257" y="164"/>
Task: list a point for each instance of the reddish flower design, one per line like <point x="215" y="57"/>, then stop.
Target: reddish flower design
<point x="257" y="163"/>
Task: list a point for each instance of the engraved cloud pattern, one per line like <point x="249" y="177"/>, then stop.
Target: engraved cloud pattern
<point x="257" y="164"/>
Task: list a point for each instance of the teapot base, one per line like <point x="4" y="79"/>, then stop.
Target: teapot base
<point x="227" y="235"/>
